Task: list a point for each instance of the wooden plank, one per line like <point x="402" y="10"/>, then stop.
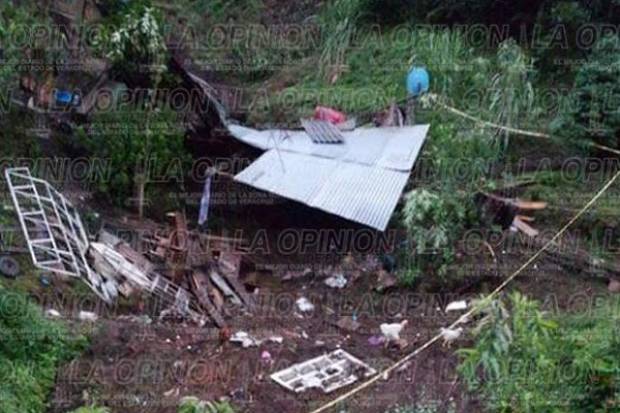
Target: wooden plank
<point x="239" y="289"/>
<point x="201" y="289"/>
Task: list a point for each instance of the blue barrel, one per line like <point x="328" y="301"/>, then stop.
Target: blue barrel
<point x="418" y="81"/>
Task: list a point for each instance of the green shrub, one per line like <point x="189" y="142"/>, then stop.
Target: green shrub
<point x="433" y="222"/>
<point x="194" y="405"/>
<point x="31" y="349"/>
<point x="91" y="409"/>
<point x="133" y="143"/>
<point x="134" y="39"/>
<point x="523" y="360"/>
<point x="593" y="113"/>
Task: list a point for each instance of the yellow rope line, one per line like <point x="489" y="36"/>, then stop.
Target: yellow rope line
<point x="435" y="99"/>
<point x="467" y="315"/>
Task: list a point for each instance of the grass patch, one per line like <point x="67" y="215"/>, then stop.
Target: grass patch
<point x="31" y="349"/>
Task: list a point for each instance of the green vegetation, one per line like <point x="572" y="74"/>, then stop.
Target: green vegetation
<point x="433" y="223"/>
<point x="135" y="39"/>
<point x="135" y="145"/>
<point x="194" y="405"/>
<point x="523" y="360"/>
<point x="593" y="112"/>
<point x="91" y="409"/>
<point x="31" y="349"/>
<point x="426" y="407"/>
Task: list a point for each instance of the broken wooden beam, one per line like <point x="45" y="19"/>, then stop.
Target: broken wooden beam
<point x="200" y="287"/>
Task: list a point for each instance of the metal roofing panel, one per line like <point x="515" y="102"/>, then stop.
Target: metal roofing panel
<point x="295" y="176"/>
<point x="361" y="179"/>
<point x="360" y="193"/>
<point x="393" y="148"/>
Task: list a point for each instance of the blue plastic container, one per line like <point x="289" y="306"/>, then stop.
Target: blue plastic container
<point x="418" y="81"/>
<point x="63" y="97"/>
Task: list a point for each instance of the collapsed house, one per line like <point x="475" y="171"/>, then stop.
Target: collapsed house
<point x="360" y="178"/>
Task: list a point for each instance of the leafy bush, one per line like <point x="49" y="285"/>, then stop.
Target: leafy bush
<point x="31" y="349"/>
<point x="134" y="40"/>
<point x="524" y="361"/>
<point x="433" y="222"/>
<point x="194" y="405"/>
<point x="91" y="409"/>
<point x="593" y="113"/>
<point x="134" y="144"/>
<point x="425" y="407"/>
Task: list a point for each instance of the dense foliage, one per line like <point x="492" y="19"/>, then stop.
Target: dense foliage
<point x="194" y="405"/>
<point x="593" y="112"/>
<point x="523" y="360"/>
<point x="31" y="349"/>
<point x="135" y="145"/>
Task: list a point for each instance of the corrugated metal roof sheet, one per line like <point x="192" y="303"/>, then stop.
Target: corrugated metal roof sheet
<point x="361" y="180"/>
<point x="392" y="148"/>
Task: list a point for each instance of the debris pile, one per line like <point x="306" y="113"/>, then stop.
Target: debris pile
<point x="329" y="372"/>
<point x="58" y="243"/>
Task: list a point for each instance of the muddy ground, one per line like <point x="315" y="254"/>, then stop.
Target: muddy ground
<point x="145" y="365"/>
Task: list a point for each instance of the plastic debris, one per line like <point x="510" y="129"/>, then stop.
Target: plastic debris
<point x="376" y="341"/>
<point x="304" y="305"/>
<point x="329" y="114"/>
<point x="244" y="339"/>
<point x="328" y="372"/>
<point x="266" y="357"/>
<point x="53" y="313"/>
<point x="336" y="281"/>
<point x="87" y="316"/>
<point x="457" y="306"/>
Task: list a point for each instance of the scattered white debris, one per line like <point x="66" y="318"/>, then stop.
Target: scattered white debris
<point x="391" y="332"/>
<point x="336" y="281"/>
<point x="304" y="305"/>
<point x="404" y="367"/>
<point x="53" y="313"/>
<point x="276" y="339"/>
<point x="457" y="306"/>
<point x="87" y="316"/>
<point x="174" y="392"/>
<point x="244" y="339"/>
<point x="449" y="335"/>
<point x="328" y="372"/>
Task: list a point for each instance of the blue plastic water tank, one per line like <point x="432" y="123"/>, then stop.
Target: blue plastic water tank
<point x="418" y="81"/>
